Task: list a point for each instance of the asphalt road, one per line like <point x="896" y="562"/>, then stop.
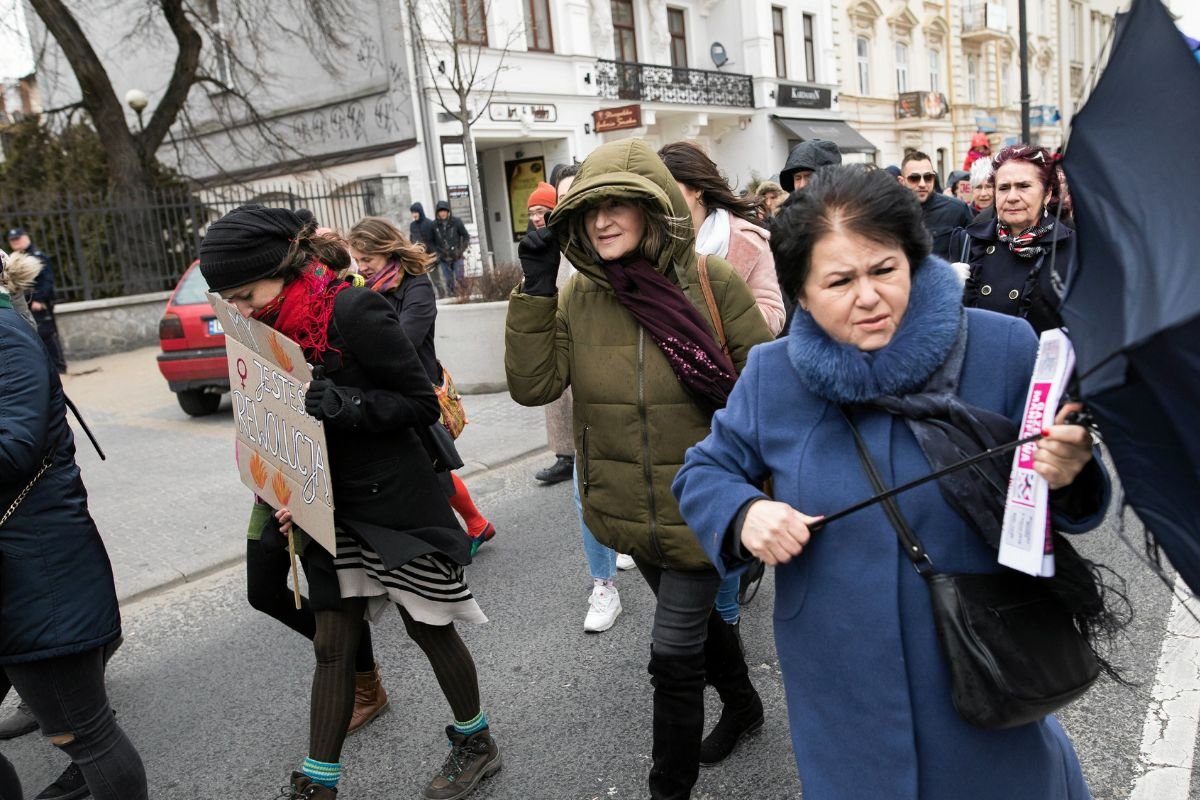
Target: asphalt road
<point x="215" y="695"/>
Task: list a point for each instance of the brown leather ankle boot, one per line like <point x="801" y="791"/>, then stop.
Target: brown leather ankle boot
<point x="370" y="699"/>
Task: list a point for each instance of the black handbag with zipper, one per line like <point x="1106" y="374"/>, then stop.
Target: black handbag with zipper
<point x="1014" y="651"/>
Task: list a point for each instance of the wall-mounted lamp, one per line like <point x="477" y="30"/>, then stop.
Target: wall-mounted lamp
<point x="719" y="56"/>
<point x="519" y="154"/>
<point x="442" y="67"/>
<point x="587" y="127"/>
<point x="587" y="78"/>
<point x="771" y="94"/>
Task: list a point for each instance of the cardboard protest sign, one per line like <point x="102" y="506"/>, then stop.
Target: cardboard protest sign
<point x="281" y="450"/>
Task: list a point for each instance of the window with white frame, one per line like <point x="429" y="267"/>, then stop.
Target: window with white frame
<point x="779" y="37"/>
<point x="810" y="48"/>
<point x="973" y="78"/>
<point x="537" y="26"/>
<point x="935" y="70"/>
<point x="862" y="46"/>
<point x="901" y="67"/>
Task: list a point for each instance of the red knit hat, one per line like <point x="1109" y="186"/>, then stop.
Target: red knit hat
<point x="543" y="195"/>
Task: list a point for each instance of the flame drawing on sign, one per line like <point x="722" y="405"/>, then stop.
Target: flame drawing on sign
<point x="258" y="470"/>
<point x="281" y="488"/>
<point x="281" y="356"/>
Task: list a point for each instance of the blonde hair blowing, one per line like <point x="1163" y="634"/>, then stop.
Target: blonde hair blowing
<point x="376" y="236"/>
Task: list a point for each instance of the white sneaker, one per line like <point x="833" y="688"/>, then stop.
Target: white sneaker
<point x="625" y="562"/>
<point x="604" y="606"/>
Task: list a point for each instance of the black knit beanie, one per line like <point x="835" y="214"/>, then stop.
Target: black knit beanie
<point x="248" y="244"/>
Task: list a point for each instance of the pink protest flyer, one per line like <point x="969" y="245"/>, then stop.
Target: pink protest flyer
<point x="1025" y="542"/>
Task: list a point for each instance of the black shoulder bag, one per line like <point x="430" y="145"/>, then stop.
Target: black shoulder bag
<point x="1014" y="651"/>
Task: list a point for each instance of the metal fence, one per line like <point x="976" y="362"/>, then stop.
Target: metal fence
<point x="143" y="243"/>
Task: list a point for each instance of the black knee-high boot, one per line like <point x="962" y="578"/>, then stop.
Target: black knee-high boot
<point x="742" y="710"/>
<point x="678" y="724"/>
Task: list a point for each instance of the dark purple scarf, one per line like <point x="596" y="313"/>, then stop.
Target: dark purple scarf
<point x="676" y="327"/>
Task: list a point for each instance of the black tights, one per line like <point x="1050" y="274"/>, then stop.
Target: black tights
<point x="267" y="590"/>
<point x="337" y="633"/>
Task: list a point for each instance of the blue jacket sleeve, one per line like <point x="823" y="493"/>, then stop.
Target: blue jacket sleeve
<point x="724" y="472"/>
<point x="24" y="400"/>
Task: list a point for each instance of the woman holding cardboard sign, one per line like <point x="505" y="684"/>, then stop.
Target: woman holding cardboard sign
<point x="397" y="539"/>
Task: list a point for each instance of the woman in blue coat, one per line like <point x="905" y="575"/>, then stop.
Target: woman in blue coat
<point x="868" y="690"/>
<point x="58" y="606"/>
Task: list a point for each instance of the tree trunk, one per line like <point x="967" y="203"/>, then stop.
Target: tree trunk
<point x="481" y="222"/>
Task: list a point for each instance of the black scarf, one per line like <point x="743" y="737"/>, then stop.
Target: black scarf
<point x="947" y="431"/>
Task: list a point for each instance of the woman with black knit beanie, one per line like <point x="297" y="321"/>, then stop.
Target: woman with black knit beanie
<point x="374" y="398"/>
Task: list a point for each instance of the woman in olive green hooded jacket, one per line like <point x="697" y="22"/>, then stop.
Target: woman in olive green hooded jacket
<point x="632" y="335"/>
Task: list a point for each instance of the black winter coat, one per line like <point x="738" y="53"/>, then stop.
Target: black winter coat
<point x="415" y="303"/>
<point x="421" y="230"/>
<point x="451" y="238"/>
<point x="384" y="488"/>
<point x="56" y="584"/>
<point x="1004" y="282"/>
<point x="43" y="286"/>
<point x="942" y="216"/>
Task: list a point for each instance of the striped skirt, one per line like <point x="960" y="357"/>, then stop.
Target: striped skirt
<point x="430" y="588"/>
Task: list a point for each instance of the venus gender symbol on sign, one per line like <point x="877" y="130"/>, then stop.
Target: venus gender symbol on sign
<point x="242" y="371"/>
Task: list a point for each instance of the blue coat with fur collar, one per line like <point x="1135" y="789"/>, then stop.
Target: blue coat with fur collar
<point x="868" y="690"/>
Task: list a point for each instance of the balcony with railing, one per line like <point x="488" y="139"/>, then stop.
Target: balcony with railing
<point x="654" y="83"/>
<point x="983" y="21"/>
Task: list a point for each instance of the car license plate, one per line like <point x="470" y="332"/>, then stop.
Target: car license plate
<point x="214" y="327"/>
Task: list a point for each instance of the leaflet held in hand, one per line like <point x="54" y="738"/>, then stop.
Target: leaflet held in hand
<point x="1025" y="542"/>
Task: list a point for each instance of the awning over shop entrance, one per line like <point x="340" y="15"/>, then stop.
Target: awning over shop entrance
<point x="846" y="138"/>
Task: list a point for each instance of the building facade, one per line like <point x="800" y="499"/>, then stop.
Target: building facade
<point x="746" y="80"/>
<point x="928" y="74"/>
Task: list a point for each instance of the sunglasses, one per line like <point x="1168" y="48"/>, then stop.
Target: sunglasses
<point x="921" y="177"/>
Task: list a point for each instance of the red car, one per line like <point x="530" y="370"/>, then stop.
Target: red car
<point x="193" y="347"/>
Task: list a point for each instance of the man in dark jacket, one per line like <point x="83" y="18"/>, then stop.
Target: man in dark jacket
<point x="942" y="214"/>
<point x="805" y="159"/>
<point x="420" y="230"/>
<point x="41" y="299"/>
<point x="451" y="241"/>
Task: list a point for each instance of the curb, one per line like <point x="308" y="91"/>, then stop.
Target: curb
<point x="468" y="472"/>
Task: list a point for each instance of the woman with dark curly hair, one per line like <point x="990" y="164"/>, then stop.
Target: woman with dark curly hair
<point x="1019" y="259"/>
<point x="881" y="349"/>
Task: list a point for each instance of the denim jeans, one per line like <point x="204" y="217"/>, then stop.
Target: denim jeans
<point x="684" y="602"/>
<point x="67" y="697"/>
<point x="452" y="272"/>
<point x="727" y="599"/>
<point x="602" y="561"/>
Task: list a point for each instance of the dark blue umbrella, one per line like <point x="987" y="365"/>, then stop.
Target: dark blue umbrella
<point x="1133" y="302"/>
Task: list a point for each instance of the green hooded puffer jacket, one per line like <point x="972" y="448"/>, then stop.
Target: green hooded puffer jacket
<point x="633" y="418"/>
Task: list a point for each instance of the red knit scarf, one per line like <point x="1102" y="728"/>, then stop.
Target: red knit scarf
<point x="303" y="310"/>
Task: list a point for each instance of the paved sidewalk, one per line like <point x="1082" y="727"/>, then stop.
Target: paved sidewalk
<point x="168" y="501"/>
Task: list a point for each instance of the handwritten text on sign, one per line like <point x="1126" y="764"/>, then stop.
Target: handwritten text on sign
<point x="281" y="450"/>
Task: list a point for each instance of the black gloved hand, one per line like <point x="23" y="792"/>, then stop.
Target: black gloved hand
<point x="539" y="256"/>
<point x="319" y="392"/>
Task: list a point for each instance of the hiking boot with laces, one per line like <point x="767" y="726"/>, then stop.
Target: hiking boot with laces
<point x="303" y="788"/>
<point x="471" y="759"/>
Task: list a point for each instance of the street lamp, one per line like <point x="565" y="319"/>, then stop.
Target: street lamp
<point x="137" y="100"/>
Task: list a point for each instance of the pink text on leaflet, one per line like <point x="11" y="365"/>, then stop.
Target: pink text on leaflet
<point x="1034" y="416"/>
